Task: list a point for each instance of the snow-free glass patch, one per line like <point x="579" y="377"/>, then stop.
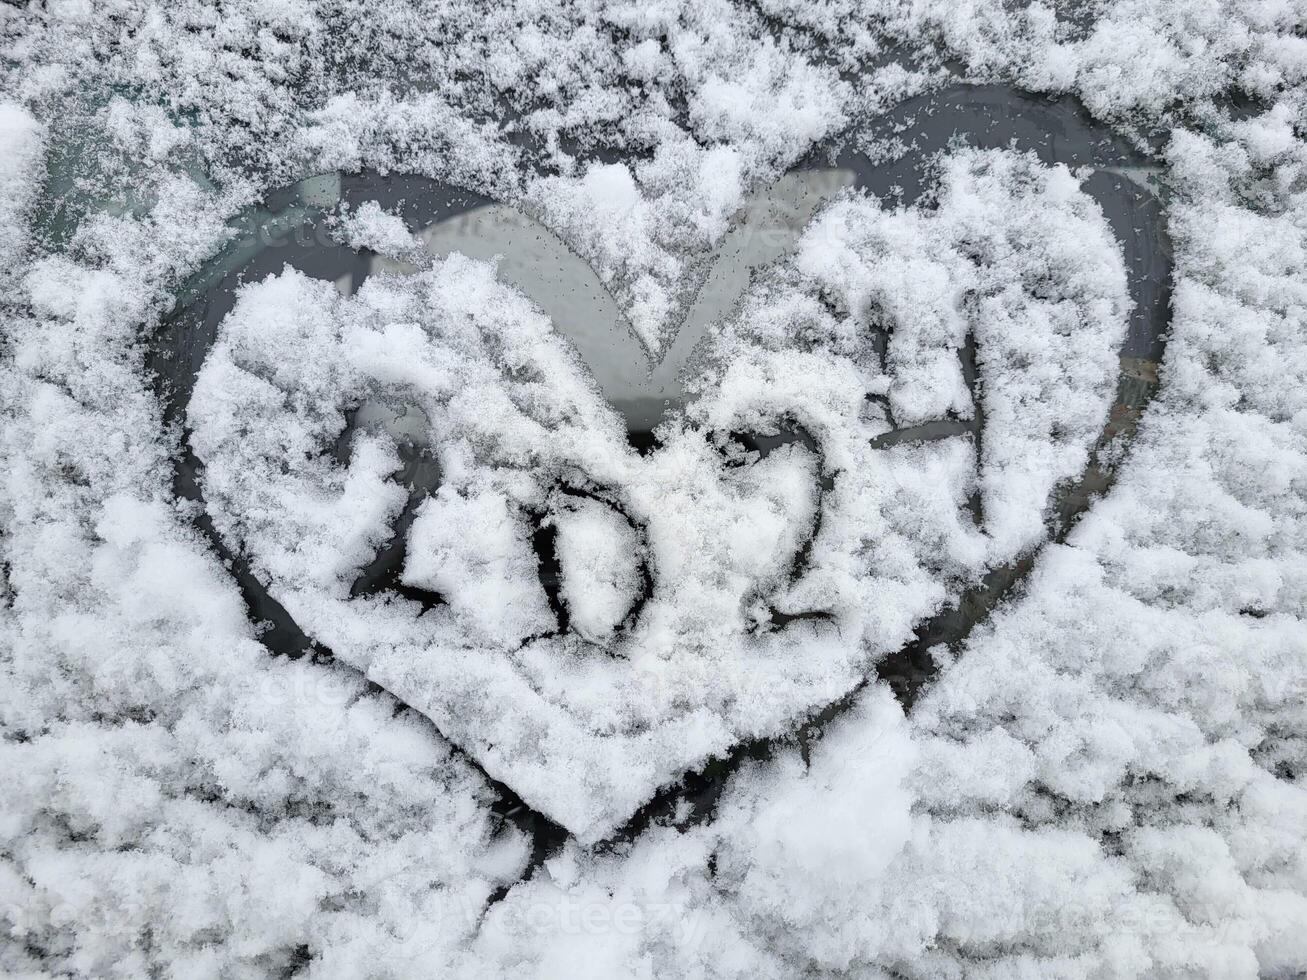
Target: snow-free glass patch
<point x="430" y="440"/>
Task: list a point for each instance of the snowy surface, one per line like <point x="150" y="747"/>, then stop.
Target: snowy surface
<point x="1104" y="779"/>
<point x="20" y="163"/>
<point x="1012" y="253"/>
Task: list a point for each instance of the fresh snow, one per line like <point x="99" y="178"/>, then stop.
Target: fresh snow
<point x="1105" y="778"/>
<point x="513" y="419"/>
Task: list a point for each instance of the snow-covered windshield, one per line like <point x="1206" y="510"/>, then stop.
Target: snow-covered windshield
<point x="692" y="490"/>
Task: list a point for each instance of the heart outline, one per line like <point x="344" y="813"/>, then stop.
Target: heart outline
<point x="905" y="670"/>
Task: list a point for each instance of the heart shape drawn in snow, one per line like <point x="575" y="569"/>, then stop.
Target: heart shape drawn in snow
<point x="596" y="570"/>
